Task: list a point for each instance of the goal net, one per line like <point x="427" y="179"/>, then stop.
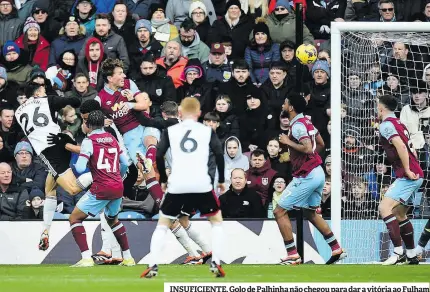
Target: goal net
<point x="370" y="63"/>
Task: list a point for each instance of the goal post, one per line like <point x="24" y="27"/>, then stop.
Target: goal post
<point x="338" y="32"/>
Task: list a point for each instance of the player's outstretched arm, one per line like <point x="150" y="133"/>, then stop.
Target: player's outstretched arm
<point x="140" y="104"/>
<point x="73" y="148"/>
<point x="158" y="122"/>
<point x="162" y="148"/>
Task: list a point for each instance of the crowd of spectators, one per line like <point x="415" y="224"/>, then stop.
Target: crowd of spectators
<point x="238" y="59"/>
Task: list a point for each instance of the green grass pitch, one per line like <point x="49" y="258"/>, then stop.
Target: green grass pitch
<point x="61" y="278"/>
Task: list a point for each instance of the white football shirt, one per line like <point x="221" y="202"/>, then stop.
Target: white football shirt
<point x="34" y="117"/>
<point x="189" y="146"/>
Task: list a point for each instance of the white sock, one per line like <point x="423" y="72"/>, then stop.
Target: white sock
<point x="126" y="254"/>
<point x="109" y="239"/>
<point x="185" y="240"/>
<point x="157" y="242"/>
<point x="410" y="253"/>
<point x="217" y="242"/>
<point x="398" y="250"/>
<point x="419" y="249"/>
<point x="48" y="211"/>
<point x="86" y="255"/>
<point x="197" y="238"/>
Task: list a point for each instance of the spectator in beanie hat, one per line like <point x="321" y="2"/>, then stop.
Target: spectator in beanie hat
<point x="162" y="29"/>
<point x="26" y="172"/>
<point x="199" y="14"/>
<point x="16" y="63"/>
<point x="261" y="53"/>
<point x="281" y="23"/>
<point x="10" y="24"/>
<point x="178" y="10"/>
<point x="35" y="204"/>
<point x="35" y="44"/>
<point x="49" y="27"/>
<point x="72" y="37"/>
<point x="235" y="24"/>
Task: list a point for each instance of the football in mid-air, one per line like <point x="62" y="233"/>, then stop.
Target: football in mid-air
<point x="306" y="54"/>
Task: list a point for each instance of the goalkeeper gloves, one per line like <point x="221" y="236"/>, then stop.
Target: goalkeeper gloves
<point x="60" y="139"/>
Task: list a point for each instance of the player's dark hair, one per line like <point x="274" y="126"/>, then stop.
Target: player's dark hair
<point x="96" y="120"/>
<point x="89" y="106"/>
<point x="169" y="108"/>
<point x="20" y="91"/>
<point x="211" y="116"/>
<point x="258" y="153"/>
<point x="240" y="64"/>
<point x="31" y="88"/>
<point x="147" y="57"/>
<point x="278" y="65"/>
<point x="188" y="24"/>
<point x="298" y="102"/>
<point x="389" y="101"/>
<point x="108" y="67"/>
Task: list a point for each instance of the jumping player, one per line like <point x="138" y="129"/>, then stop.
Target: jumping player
<point x="104" y="155"/>
<point x="117" y="99"/>
<point x="36" y="117"/>
<point x="394" y="138"/>
<point x="189" y="184"/>
<point x="305" y="190"/>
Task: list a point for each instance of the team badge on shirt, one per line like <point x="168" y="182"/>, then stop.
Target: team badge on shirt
<point x="265" y="181"/>
<point x="226" y="75"/>
<point x="159" y="92"/>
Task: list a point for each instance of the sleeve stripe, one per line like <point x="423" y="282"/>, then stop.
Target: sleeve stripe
<point x="84" y="155"/>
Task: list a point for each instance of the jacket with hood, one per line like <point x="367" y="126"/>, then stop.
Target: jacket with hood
<point x="13" y="203"/>
<point x="114" y="47"/>
<point x="259" y="59"/>
<point x="178" y="10"/>
<point x="34" y="171"/>
<point x="10" y="26"/>
<point x="246" y="204"/>
<point x="92" y="69"/>
<point x="18" y="70"/>
<point x="317" y="107"/>
<point x="415" y="120"/>
<point x="228" y="125"/>
<point x="198" y="89"/>
<point x="41" y="52"/>
<point x="62" y="44"/>
<point x="90" y="22"/>
<point x="239" y="161"/>
<point x="140" y="7"/>
<point x="276" y="96"/>
<point x="285" y="29"/>
<point x="175" y="72"/>
<point x="239" y="33"/>
<point x="159" y="87"/>
<point x="197" y="50"/>
<point x="260" y="179"/>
